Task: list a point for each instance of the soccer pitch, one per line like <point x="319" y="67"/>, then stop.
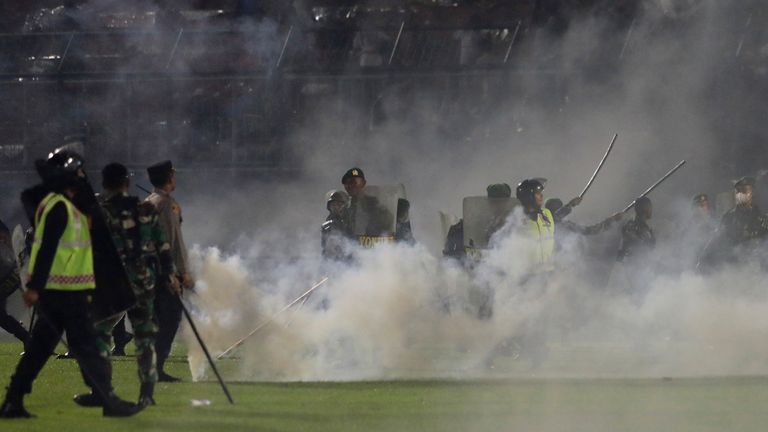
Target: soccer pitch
<point x="712" y="404"/>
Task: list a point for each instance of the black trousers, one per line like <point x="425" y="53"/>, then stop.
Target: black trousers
<point x="70" y="312"/>
<point x="168" y="313"/>
<point x="11" y="324"/>
<point x="120" y="333"/>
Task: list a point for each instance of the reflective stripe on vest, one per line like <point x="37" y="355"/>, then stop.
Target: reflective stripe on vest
<point x="72" y="268"/>
<point x="543" y="234"/>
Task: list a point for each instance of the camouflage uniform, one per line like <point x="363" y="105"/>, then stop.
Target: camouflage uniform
<point x="145" y="252"/>
<point x="741" y="232"/>
<point x="637" y="240"/>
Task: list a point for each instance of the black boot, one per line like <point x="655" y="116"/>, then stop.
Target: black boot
<point x="13" y="407"/>
<point x="116" y="407"/>
<point x="119" y="349"/>
<point x="91" y="399"/>
<point x="164" y="377"/>
<point x="146" y="395"/>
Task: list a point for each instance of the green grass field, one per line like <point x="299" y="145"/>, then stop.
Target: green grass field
<point x="716" y="404"/>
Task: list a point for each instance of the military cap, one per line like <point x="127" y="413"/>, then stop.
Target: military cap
<point x="160" y="172"/>
<point x="499" y="190"/>
<point x="352" y="173"/>
<point x="744" y="181"/>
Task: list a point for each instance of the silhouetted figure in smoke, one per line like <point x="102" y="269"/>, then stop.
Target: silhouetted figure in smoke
<point x="637" y="238"/>
<point x="336" y="231"/>
<point x="637" y="243"/>
<point x="742" y="229"/>
<point x="699" y="228"/>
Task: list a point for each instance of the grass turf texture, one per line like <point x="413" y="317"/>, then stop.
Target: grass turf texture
<point x="715" y="404"/>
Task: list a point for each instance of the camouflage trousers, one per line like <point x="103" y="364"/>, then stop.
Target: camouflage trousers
<point x="142" y="317"/>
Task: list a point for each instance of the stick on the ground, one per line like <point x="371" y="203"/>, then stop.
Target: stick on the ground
<point x="272" y="318"/>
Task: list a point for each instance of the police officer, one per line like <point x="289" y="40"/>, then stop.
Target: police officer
<point x="62" y="285"/>
<point x="168" y="308"/>
<point x="146" y="256"/>
<point x="741" y="229"/>
<point x="336" y="230"/>
<point x="539" y="221"/>
<point x="9" y="283"/>
<point x="354" y="183"/>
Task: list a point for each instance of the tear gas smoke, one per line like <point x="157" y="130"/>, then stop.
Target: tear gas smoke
<point x="402" y="313"/>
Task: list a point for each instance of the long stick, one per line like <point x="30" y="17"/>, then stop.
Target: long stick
<point x="205" y="350"/>
<point x="173" y="51"/>
<point x="599" y="166"/>
<point x="626" y="40"/>
<point x="270" y="319"/>
<point x="512" y="41"/>
<point x="647" y="191"/>
<point x="397" y="42"/>
<point x="285" y="45"/>
<point x="143" y="188"/>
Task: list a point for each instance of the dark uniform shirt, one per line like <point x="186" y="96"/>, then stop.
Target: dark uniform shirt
<point x="637" y="239"/>
<point x="741" y="230"/>
<point x="333" y="234"/>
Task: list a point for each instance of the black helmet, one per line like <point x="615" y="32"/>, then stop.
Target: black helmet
<point x="65" y="159"/>
<point x="527" y="189"/>
<point x="62" y="165"/>
<point x="337" y="196"/>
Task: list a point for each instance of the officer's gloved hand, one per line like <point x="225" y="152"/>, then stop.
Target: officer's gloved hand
<point x="574" y="202"/>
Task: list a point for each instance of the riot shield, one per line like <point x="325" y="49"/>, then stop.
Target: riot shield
<point x="373" y="215"/>
<point x="484" y="216"/>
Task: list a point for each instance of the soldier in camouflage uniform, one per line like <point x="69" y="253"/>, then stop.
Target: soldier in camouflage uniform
<point x="146" y="255"/>
<point x="743" y="229"/>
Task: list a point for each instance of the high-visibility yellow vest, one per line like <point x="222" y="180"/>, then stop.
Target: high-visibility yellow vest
<point x="543" y="234"/>
<point x="72" y="268"/>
